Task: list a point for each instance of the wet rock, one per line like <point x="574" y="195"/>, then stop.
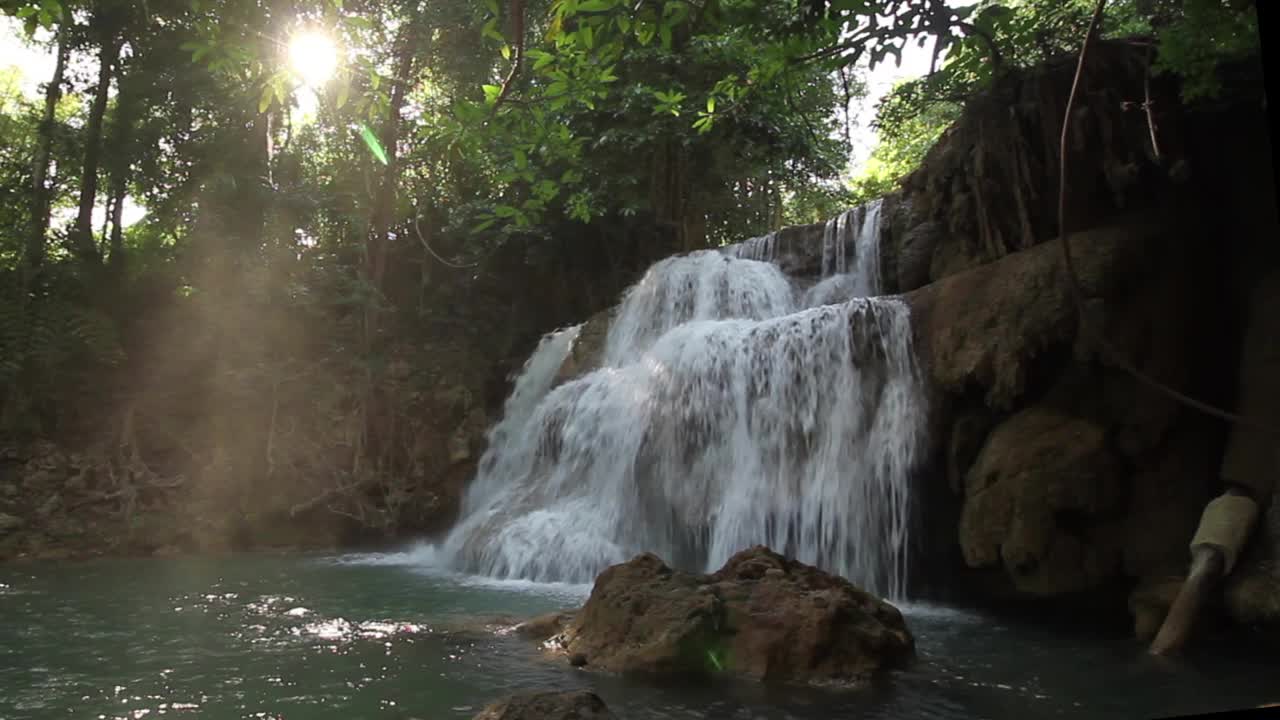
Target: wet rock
<point x="991" y="327"/>
<point x="8" y="490"/>
<point x="915" y="253"/>
<point x="761" y="616"/>
<point x="1038" y="499"/>
<point x="587" y="352"/>
<point x="459" y="447"/>
<point x="581" y="705"/>
<point x="10" y="523"/>
<point x="544" y="626"/>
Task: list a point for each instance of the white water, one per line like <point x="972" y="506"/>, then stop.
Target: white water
<point x="725" y="415"/>
<point x="858" y="228"/>
<point x="703" y="285"/>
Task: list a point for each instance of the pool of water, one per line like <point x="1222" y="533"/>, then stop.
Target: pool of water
<point x="388" y="636"/>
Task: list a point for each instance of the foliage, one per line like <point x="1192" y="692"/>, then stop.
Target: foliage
<point x="294" y="231"/>
<point x="1193" y="38"/>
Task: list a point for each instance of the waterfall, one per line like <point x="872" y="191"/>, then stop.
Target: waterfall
<point x="858" y="228"/>
<point x="756" y="248"/>
<point x="728" y="412"/>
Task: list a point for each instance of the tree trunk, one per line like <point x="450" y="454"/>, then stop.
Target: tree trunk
<point x="384" y="205"/>
<point x="82" y="234"/>
<point x="40" y="201"/>
<point x="381" y="220"/>
<point x="120" y="161"/>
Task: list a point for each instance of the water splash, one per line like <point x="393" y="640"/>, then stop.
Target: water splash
<point x="703" y="285"/>
<point x="533" y="382"/>
<point x="726" y="414"/>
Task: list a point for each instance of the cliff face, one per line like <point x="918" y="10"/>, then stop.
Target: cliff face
<point x="1056" y="473"/>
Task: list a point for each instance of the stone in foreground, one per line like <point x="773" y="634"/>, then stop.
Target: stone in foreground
<point x="761" y="616"/>
<point x="581" y="705"/>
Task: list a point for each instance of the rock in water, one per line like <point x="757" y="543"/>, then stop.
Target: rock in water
<point x="761" y="615"/>
<point x="579" y="705"/>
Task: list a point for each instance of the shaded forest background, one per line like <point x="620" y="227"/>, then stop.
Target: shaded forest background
<point x="305" y="336"/>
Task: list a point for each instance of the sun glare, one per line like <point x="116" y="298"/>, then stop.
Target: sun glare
<point x="314" y="57"/>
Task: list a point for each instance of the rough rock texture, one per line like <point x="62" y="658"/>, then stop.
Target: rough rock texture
<point x="588" y="350"/>
<point x="581" y="705"/>
<point x="1073" y="477"/>
<point x="761" y="615"/>
<point x="545" y="626"/>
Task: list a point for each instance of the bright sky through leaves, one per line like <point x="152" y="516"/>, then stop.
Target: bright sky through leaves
<point x="314" y="57"/>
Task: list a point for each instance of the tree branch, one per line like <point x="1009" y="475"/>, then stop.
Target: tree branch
<point x="517" y="12"/>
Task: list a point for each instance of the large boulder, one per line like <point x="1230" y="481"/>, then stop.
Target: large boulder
<point x="761" y="616"/>
<point x="581" y="705"/>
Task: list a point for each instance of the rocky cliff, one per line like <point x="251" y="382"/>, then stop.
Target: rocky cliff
<point x="1055" y="474"/>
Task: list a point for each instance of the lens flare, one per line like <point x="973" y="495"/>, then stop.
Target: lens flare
<point x="314" y="57"/>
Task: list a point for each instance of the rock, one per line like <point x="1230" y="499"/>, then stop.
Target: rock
<point x="10" y="523"/>
<point x="1038" y="500"/>
<point x="587" y="352"/>
<point x="580" y="705"/>
<point x="8" y="490"/>
<point x="544" y="626"/>
<point x="459" y="447"/>
<point x="915" y="250"/>
<point x="50" y="506"/>
<point x="577" y="660"/>
<point x="990" y="327"/>
<point x="761" y="616"/>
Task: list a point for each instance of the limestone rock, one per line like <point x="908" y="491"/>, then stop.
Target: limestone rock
<point x="459" y="447"/>
<point x="588" y="350"/>
<point x="988" y="327"/>
<point x="10" y="523"/>
<point x="761" y="616"/>
<point x="1041" y="499"/>
<point x="915" y="250"/>
<point x="544" y="626"/>
<point x="581" y="705"/>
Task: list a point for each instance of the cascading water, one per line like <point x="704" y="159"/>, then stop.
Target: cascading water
<point x="726" y="414"/>
<point x="703" y="285"/>
<point x="859" y="228"/>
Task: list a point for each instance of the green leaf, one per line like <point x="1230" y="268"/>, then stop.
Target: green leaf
<point x="264" y="102"/>
<point x="664" y="32"/>
<point x="587" y="37"/>
<point x="521" y="159"/>
<point x="505" y="50"/>
<point x="595" y="5"/>
<point x="491" y="93"/>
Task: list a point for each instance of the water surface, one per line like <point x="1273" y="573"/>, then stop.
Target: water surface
<point x="387" y="636"/>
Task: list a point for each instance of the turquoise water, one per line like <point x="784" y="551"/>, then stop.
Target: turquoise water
<point x="386" y="636"/>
